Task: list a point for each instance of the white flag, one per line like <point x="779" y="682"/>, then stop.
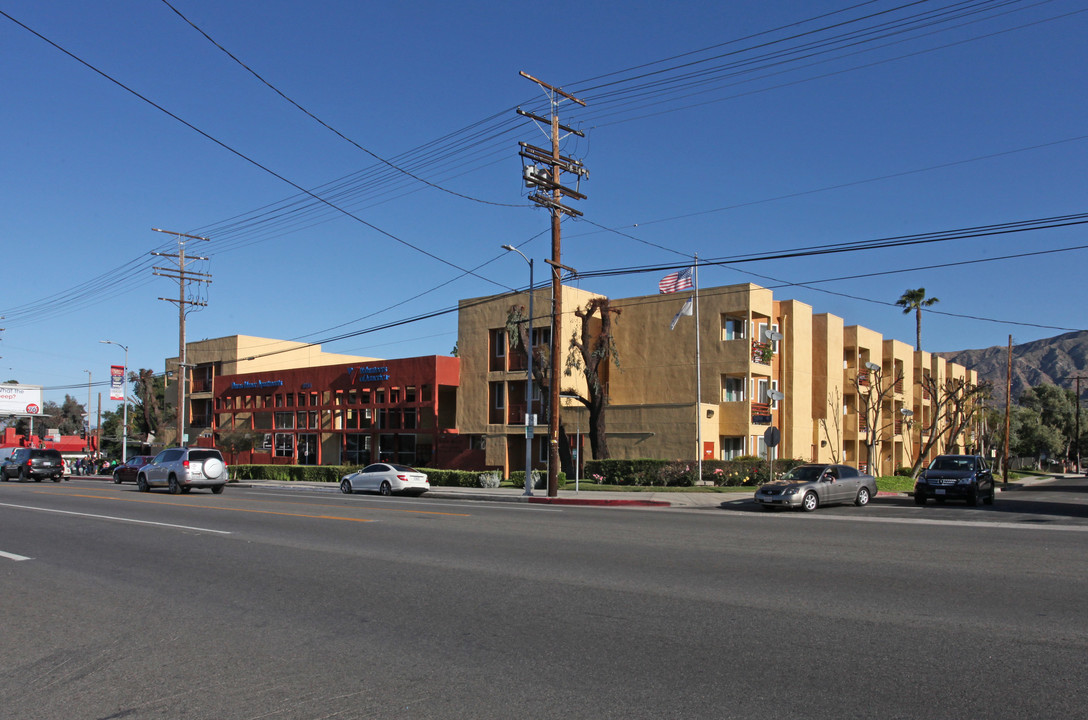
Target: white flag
<point x="686" y="310"/>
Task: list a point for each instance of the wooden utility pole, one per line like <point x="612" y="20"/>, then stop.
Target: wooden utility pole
<point x="184" y="277"/>
<point x="1008" y="409"/>
<point x="548" y="178"/>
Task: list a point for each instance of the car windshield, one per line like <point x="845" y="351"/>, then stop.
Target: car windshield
<point x="804" y="473"/>
<point x="953" y="463"/>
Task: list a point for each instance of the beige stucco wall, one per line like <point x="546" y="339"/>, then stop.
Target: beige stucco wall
<point x="247" y="353"/>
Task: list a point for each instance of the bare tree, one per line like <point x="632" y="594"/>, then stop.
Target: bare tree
<point x="872" y="390"/>
<point x="954" y="404"/>
<point x="834" y="406"/>
<point x="590" y="352"/>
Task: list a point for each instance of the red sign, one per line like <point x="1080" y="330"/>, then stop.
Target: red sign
<point x="32" y="409"/>
<point x="117" y="380"/>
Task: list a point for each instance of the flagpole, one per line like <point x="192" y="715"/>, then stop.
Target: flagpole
<point x="698" y="377"/>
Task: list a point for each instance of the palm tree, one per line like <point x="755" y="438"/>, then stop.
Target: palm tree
<point x="916" y="300"/>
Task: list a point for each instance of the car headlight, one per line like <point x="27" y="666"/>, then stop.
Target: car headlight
<point x="793" y="490"/>
<point x="970" y="479"/>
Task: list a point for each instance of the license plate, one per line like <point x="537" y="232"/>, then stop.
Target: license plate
<point x="47" y="463"/>
<point x="940" y="491"/>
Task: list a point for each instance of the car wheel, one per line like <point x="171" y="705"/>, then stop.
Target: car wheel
<point x="174" y="487"/>
<point x="57" y="478"/>
<point x="989" y="499"/>
<point x="218" y="489"/>
<point x="919" y="499"/>
<point x="810" y="502"/>
<point x="22" y="475"/>
<point x="385" y="489"/>
<point x="141" y="484"/>
<point x="116" y="479"/>
<point x="862" y="498"/>
<point x="345" y="486"/>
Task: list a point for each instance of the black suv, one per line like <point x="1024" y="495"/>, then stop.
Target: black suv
<point x="957" y="477"/>
<point x="33" y="463"/>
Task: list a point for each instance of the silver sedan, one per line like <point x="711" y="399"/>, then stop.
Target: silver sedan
<point x="387" y="479"/>
<point x="810" y="486"/>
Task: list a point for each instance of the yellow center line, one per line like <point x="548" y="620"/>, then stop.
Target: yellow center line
<point x="266" y="512"/>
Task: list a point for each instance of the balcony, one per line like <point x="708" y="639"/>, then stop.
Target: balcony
<point x="762" y="352"/>
<point x="761" y="414"/>
<point x="518" y="362"/>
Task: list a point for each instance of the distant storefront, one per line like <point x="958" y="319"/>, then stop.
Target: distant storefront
<point x="402" y="410"/>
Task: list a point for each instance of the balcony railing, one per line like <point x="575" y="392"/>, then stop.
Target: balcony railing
<point x="863" y="379"/>
<point x="761" y="413"/>
<point x="899" y="386"/>
<point x="762" y="352"/>
<point x="518" y="361"/>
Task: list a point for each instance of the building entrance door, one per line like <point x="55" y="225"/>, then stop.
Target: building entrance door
<point x="307" y="449"/>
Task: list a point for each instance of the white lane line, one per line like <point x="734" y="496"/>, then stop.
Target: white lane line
<point x="922" y="521"/>
<point x="507" y="504"/>
<point x="13" y="556"/>
<point x="119" y="519"/>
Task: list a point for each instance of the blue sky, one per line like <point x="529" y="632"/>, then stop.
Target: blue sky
<point x="972" y="116"/>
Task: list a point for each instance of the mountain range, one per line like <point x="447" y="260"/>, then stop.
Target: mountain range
<point x="1057" y="361"/>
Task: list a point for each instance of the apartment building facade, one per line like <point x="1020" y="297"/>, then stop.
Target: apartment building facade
<point x="710" y="384"/>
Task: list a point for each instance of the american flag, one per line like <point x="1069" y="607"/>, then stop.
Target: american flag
<point x="674" y="282"/>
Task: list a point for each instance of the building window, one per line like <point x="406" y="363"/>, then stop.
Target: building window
<point x="356" y="449"/>
<point x="410" y="394"/>
<point x="498" y="396"/>
<point x="425" y="393"/>
<point x="394" y="395"/>
<point x="410" y="419"/>
<point x="732" y="389"/>
<point x="733" y="327"/>
<point x="285" y="420"/>
<point x="763" y="328"/>
<point x="285" y="445"/>
<point x="301" y="420"/>
<point x="353" y="397"/>
<point x="387" y="448"/>
<point x="542" y="336"/>
<point x="732" y="447"/>
<point x="290" y="399"/>
<point x="279" y="400"/>
<point x="379" y="396"/>
<point x="364" y="397"/>
<point x="406" y="449"/>
<point x="302" y="399"/>
<point x="497" y="351"/>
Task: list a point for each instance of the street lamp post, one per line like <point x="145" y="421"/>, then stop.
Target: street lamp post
<point x="124" y="402"/>
<point x="528" y="380"/>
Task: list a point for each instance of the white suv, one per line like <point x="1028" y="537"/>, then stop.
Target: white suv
<point x="182" y="469"/>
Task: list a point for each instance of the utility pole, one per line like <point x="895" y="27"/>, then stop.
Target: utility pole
<point x="184" y="277"/>
<point x="548" y="178"/>
<point x="1008" y="409"/>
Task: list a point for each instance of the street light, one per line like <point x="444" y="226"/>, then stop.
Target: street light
<point x="528" y="380"/>
<point x="124" y="402"/>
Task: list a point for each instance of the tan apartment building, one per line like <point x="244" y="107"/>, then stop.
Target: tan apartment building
<point x="754" y="363"/>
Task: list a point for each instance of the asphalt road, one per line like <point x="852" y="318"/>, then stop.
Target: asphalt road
<point x="272" y="603"/>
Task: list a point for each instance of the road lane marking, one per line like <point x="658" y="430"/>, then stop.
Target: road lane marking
<point x="270" y="512"/>
<point x="208" y="507"/>
<point x="922" y="521"/>
<point x="112" y="517"/>
<point x="13" y="556"/>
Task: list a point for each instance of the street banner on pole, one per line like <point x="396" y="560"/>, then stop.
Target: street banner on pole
<point x="117" y="381"/>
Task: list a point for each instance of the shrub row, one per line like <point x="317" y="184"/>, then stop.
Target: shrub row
<point x="748" y="470"/>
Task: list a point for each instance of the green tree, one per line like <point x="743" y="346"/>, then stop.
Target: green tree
<point x="1052" y="433"/>
<point x="914" y="301"/>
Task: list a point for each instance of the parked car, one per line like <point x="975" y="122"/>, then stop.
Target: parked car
<point x="131" y="468"/>
<point x="387" y="479"/>
<point x="809" y="486"/>
<point x="956" y="477"/>
<point x="182" y="469"/>
<point x="33" y="464"/>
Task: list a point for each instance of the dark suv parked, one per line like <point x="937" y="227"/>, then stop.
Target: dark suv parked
<point x="33" y="464"/>
<point x="957" y="477"/>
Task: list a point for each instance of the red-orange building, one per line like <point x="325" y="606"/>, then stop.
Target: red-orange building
<point x="402" y="410"/>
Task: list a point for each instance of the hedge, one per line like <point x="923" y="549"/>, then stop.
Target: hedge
<point x="747" y="470"/>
